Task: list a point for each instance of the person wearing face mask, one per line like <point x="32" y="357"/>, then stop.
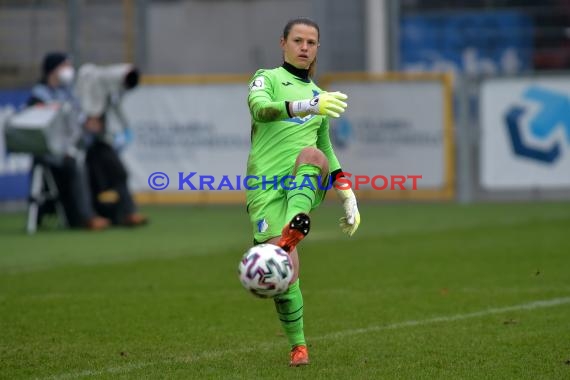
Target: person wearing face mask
<point x="100" y="90"/>
<point x="68" y="168"/>
<point x="56" y="80"/>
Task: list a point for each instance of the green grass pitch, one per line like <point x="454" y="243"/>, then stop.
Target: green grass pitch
<point x="422" y="291"/>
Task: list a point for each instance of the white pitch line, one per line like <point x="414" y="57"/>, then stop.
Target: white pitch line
<point x="458" y="317"/>
<point x="208" y="355"/>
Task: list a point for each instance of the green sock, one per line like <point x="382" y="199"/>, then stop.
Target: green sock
<point x="289" y="308"/>
<point x="301" y="198"/>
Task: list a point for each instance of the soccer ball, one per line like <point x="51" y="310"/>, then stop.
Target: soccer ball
<point x="265" y="270"/>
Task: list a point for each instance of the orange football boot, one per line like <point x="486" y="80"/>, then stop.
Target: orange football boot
<point x="299" y="356"/>
<point x="294" y="232"/>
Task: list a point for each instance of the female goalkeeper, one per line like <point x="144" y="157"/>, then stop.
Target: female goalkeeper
<point x="290" y="161"/>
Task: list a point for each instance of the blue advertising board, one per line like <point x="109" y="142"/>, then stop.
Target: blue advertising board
<point x="14" y="171"/>
<point x="480" y="42"/>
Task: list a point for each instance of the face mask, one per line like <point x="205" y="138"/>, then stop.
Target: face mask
<point x="66" y="75"/>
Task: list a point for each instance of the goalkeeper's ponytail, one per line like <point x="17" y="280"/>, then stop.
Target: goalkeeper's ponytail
<point x="313" y="68"/>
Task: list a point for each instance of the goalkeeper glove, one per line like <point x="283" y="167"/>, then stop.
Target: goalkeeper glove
<point x="325" y="104"/>
<point x="350" y="222"/>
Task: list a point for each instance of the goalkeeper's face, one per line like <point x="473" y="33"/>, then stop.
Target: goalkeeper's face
<point x="301" y="45"/>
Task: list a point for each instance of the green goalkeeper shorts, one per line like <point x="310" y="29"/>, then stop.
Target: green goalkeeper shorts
<point x="268" y="210"/>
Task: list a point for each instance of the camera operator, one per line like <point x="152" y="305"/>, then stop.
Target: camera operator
<point x="68" y="167"/>
<point x="100" y="90"/>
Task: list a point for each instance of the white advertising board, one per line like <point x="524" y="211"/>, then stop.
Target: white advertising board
<point x="395" y="128"/>
<point x="525" y="140"/>
<point x="390" y="129"/>
<point x="202" y="129"/>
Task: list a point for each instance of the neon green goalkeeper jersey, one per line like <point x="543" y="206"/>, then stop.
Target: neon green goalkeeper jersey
<point x="276" y="136"/>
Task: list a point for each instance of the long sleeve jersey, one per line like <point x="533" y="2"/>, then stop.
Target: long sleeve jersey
<point x="276" y="136"/>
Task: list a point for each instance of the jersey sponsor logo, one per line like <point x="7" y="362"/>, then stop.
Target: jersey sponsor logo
<point x="257" y="84"/>
<point x="300" y="120"/>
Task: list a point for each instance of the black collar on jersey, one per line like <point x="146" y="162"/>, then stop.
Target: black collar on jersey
<point x="302" y="74"/>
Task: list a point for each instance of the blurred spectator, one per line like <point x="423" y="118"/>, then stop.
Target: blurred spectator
<point x="68" y="168"/>
<point x="100" y="90"/>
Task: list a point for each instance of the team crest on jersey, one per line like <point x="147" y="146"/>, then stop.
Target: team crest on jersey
<point x="262" y="225"/>
<point x="257" y="84"/>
